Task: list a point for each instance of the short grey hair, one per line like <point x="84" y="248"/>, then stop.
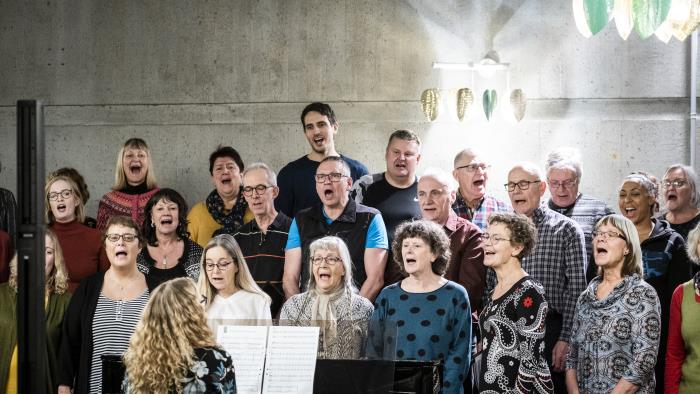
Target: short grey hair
<point x="465" y="152"/>
<point x="271" y="176"/>
<point x="441" y="176"/>
<point x="692" y="246"/>
<point x="343" y="164"/>
<point x="691" y="178"/>
<point x="530" y="167"/>
<point x="565" y="158"/>
<point x="337" y="244"/>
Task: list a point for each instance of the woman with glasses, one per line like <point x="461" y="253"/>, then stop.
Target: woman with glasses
<point x="227" y="289"/>
<point x="82" y="247"/>
<point x="664" y="258"/>
<point x="134" y="184"/>
<point x="169" y="253"/>
<point x="512" y="322"/>
<point x="104" y="311"/>
<point x="682" y="198"/>
<point x="616" y="328"/>
<point x="425" y="316"/>
<point x="225" y="210"/>
<point x="331" y="302"/>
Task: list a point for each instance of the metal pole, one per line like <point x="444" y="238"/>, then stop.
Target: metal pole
<point x="693" y="94"/>
<point x="31" y="330"/>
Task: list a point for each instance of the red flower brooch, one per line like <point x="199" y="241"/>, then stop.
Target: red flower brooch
<point x="527" y="302"/>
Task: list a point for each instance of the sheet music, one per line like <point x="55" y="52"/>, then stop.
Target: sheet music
<point x="246" y="345"/>
<point x="291" y="360"/>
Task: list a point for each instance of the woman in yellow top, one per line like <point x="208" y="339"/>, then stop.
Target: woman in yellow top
<point x="56" y="303"/>
<point x="225" y="210"/>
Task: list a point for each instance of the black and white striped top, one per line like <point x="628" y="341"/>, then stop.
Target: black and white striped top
<point x="112" y="326"/>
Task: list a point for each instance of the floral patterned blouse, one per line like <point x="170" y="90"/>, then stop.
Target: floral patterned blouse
<point x="211" y="372"/>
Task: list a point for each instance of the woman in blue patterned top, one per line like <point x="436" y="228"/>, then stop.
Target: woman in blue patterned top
<point x="173" y="350"/>
<point x="425" y="316"/>
<point x="513" y="322"/>
<point x="617" y="324"/>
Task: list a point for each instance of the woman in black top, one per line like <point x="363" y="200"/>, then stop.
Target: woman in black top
<point x="169" y="253"/>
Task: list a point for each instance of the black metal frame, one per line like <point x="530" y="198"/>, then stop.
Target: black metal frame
<point x="31" y="325"/>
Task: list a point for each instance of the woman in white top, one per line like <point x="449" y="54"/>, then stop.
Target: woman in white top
<point x="229" y="293"/>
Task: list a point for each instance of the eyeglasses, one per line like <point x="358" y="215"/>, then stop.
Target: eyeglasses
<point x="330" y="260"/>
<point x="65" y="194"/>
<point x="675" y="183"/>
<point x="567" y="184"/>
<point x="473" y="167"/>
<point x="607" y="235"/>
<point x="523" y="185"/>
<point x="221" y="265"/>
<point x="493" y="238"/>
<point x="333" y="177"/>
<point x="259" y="190"/>
<point x="126" y="237"/>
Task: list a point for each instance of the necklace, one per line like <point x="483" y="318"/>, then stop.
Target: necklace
<point x="166" y="251"/>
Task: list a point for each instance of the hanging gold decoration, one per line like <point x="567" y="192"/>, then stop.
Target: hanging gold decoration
<point x="465" y="98"/>
<point x="429" y="100"/>
<point x="519" y="104"/>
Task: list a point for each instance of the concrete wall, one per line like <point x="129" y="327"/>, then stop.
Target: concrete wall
<point x="190" y="75"/>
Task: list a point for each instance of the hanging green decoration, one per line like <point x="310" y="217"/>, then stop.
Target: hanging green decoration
<point x="648" y="15"/>
<point x="490" y="101"/>
<point x="598" y="13"/>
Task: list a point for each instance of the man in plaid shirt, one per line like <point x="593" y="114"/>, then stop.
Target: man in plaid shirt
<point x="557" y="262"/>
<point x="563" y="169"/>
<point x="472" y="203"/>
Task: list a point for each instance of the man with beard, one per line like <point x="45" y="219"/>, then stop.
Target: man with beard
<point x="295" y="180"/>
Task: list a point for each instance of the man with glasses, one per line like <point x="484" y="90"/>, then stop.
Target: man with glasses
<point x="394" y="191"/>
<point x="361" y="227"/>
<point x="262" y="240"/>
<point x="436" y="193"/>
<point x="296" y="178"/>
<point x="472" y="202"/>
<point x="557" y="262"/>
<point x="563" y="169"/>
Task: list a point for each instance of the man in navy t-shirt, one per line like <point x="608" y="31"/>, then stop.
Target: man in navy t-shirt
<point x="296" y="179"/>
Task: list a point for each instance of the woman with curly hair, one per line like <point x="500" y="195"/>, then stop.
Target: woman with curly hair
<point x="56" y="302"/>
<point x="169" y="252"/>
<point x="425" y="316"/>
<point x="616" y="327"/>
<point x="173" y="350"/>
<point x="515" y="312"/>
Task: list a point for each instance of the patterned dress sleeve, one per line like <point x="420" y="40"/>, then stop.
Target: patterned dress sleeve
<point x="572" y="356"/>
<point x="459" y="354"/>
<point x="533" y="373"/>
<point x="213" y="372"/>
<point x="646" y="329"/>
<point x="375" y="335"/>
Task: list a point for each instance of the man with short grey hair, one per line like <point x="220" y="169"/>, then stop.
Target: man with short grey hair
<point x="472" y="202"/>
<point x="262" y="240"/>
<point x="563" y="169"/>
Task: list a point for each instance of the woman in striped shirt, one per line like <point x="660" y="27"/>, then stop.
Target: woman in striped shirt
<point x="104" y="310"/>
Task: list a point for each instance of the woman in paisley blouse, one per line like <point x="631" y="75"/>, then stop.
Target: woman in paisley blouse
<point x="512" y="323"/>
<point x="173" y="349"/>
<point x="617" y="324"/>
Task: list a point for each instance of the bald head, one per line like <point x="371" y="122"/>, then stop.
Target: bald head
<point x="525" y="187"/>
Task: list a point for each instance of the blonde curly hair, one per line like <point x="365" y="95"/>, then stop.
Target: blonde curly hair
<point x="161" y="349"/>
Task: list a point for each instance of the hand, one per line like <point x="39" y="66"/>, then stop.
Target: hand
<point x="64" y="390"/>
<point x="559" y="353"/>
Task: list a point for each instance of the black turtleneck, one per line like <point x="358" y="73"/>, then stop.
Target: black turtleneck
<point x="141" y="188"/>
